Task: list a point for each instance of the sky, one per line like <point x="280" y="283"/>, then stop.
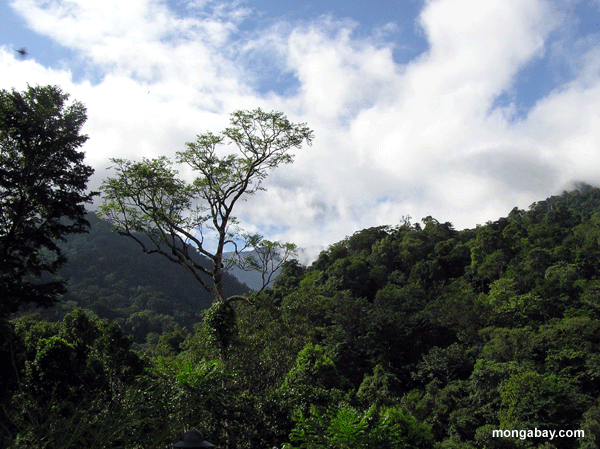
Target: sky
<point x="456" y="109"/>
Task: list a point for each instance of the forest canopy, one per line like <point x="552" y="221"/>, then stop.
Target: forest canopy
<point x="415" y="334"/>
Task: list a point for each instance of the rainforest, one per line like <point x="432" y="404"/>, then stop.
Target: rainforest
<point x="410" y="335"/>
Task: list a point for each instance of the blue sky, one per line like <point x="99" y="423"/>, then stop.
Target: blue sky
<point x="458" y="109"/>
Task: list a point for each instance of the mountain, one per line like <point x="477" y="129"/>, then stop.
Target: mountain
<point x="144" y="293"/>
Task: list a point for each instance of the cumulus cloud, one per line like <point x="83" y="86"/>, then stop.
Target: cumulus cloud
<point x="421" y="137"/>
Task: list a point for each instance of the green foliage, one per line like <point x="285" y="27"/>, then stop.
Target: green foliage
<point x="175" y="395"/>
<point x="533" y="400"/>
<point x="378" y="389"/>
<point x="53" y="367"/>
<point x="70" y="378"/>
<point x="468" y="331"/>
<point x="314" y="381"/>
<point x="42" y="191"/>
<point x="313" y="368"/>
<point x="292" y="273"/>
<point x="455" y="326"/>
<point x="270" y="337"/>
<point x="219" y="320"/>
<point x="591" y="425"/>
<point x="407" y="336"/>
<point x="445" y="364"/>
<point x="345" y="427"/>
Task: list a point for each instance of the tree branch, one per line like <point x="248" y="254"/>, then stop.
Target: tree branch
<point x="238" y="298"/>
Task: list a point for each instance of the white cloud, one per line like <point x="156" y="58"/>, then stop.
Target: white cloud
<point x="566" y="124"/>
<point x="337" y="75"/>
<point x="420" y="138"/>
<point x="443" y="98"/>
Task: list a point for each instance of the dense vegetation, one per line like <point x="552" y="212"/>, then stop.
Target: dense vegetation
<point x="414" y="336"/>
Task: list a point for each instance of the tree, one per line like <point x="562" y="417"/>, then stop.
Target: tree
<point x="42" y="191"/>
<point x="147" y="201"/>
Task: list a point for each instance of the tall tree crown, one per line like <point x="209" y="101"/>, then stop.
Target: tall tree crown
<point x="43" y="185"/>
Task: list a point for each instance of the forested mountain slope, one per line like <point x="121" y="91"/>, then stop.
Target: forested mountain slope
<point x="496" y="327"/>
<point x="144" y="293"/>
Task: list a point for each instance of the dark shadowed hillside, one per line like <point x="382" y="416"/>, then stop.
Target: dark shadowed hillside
<point x="144" y="293"/>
